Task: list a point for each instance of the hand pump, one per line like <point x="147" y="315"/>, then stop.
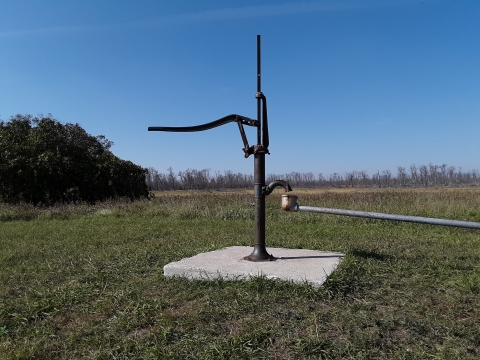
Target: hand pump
<point x="259" y="151"/>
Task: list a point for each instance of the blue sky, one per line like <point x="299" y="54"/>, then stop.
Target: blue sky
<point x="351" y="85"/>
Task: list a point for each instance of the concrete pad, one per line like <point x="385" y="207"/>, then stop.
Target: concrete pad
<point x="296" y="265"/>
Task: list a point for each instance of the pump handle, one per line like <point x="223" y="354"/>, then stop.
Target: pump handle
<point x="225" y="120"/>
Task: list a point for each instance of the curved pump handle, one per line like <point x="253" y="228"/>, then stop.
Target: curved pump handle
<point x="239" y="119"/>
<point x="225" y="120"/>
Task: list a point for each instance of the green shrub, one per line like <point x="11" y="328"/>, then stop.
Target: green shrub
<point x="44" y="162"/>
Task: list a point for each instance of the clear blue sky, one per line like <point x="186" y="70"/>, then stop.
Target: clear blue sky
<point x="351" y="84"/>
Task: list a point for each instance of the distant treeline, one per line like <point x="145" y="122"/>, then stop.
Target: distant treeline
<point x="414" y="176"/>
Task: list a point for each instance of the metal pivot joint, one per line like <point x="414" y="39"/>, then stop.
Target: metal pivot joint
<point x="258" y="151"/>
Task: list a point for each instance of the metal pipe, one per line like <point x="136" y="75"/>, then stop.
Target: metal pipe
<point x="382" y="216"/>
<point x="259" y="90"/>
<point x="289" y="203"/>
<point x="259" y="252"/>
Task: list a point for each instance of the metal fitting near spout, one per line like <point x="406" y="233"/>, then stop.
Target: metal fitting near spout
<point x="289" y="202"/>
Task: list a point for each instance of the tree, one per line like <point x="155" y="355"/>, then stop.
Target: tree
<point x="402" y="175"/>
<point x="44" y="161"/>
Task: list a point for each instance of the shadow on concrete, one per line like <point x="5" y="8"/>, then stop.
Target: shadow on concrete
<point x="309" y="257"/>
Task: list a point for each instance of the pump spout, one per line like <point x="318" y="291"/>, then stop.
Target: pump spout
<point x="270" y="187"/>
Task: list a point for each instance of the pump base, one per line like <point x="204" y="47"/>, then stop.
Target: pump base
<point x="259" y="253"/>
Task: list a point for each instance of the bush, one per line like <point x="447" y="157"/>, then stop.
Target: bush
<point x="43" y="162"/>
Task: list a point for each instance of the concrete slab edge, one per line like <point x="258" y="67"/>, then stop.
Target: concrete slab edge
<point x="191" y="268"/>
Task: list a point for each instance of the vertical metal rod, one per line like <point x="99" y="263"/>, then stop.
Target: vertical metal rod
<point x="259" y="248"/>
<point x="259" y="89"/>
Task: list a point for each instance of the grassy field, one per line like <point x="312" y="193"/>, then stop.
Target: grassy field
<point x="87" y="281"/>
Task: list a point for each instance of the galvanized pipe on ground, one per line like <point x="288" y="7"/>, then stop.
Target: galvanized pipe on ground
<point x="289" y="203"/>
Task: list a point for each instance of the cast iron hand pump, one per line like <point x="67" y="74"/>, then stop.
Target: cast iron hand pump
<point x="258" y="151"/>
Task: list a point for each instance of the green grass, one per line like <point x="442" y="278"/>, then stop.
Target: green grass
<point x="87" y="281"/>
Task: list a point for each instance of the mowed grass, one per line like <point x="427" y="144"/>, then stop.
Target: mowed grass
<point x="86" y="282"/>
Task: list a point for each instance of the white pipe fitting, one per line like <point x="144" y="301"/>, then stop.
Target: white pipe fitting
<point x="289" y="202"/>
